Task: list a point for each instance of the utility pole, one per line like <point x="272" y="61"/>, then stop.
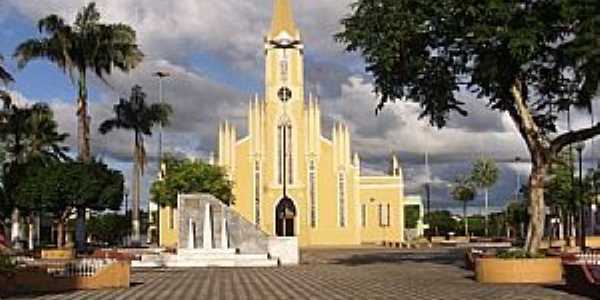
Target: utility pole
<point x="151" y="206"/>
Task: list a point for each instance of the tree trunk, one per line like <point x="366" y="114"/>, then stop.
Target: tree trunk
<point x="537" y="211"/>
<point x="83" y="136"/>
<point x="60" y="234"/>
<point x="486" y="212"/>
<point x="80" y="229"/>
<point x="135" y="203"/>
<point x="30" y="230"/>
<point x="15" y="231"/>
<point x="466" y="218"/>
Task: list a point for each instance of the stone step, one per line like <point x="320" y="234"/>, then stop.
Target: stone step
<point x="237" y="260"/>
<point x="205" y="252"/>
<point x="240" y="257"/>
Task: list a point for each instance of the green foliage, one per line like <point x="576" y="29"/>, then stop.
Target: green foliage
<point x="518" y="254"/>
<point x="411" y="216"/>
<point x="58" y="187"/>
<point x="559" y="188"/>
<point x="426" y="50"/>
<point x="463" y="190"/>
<point x="109" y="228"/>
<point x="5" y="77"/>
<point x="485" y="172"/>
<point x="31" y="133"/>
<point x="86" y="44"/>
<point x="7" y="265"/>
<point x="135" y="115"/>
<point x="441" y="222"/>
<point x="476" y="225"/>
<point x="185" y="176"/>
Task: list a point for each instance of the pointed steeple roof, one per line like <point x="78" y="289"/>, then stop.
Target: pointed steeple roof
<point x="283" y="20"/>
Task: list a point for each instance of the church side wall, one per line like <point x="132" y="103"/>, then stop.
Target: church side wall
<point x="243" y="181"/>
<point x="382" y="191"/>
<point x="168" y="235"/>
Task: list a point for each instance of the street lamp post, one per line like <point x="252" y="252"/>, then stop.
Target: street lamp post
<point x="160" y="75"/>
<point x="579" y="147"/>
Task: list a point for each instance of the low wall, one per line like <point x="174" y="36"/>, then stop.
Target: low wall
<point x="497" y="270"/>
<point x="593" y="242"/>
<point x="285" y="249"/>
<point x="37" y="280"/>
<point x="58" y="254"/>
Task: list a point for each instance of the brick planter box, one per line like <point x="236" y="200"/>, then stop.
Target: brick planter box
<point x="39" y="280"/>
<point x="538" y="270"/>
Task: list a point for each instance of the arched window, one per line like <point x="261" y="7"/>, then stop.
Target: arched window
<point x="257" y="193"/>
<point x="285" y="153"/>
<point x="312" y="192"/>
<point x="289" y="153"/>
<point x="342" y="199"/>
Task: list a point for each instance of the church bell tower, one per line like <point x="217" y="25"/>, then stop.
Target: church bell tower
<point x="284" y="76"/>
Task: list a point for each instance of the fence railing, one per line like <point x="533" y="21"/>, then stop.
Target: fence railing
<point x="87" y="267"/>
<point x="589" y="257"/>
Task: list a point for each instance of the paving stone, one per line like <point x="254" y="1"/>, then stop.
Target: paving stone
<point x="365" y="273"/>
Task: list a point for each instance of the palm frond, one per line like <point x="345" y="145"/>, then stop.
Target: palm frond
<point x="110" y="125"/>
<point x="5" y="76"/>
<point x="51" y="24"/>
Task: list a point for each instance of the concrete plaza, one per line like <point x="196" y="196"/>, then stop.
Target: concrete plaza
<point x="366" y="273"/>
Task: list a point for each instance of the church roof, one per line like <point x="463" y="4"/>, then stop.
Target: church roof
<point x="283" y="20"/>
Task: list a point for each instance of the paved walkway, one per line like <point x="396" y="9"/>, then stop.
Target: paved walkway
<point x="328" y="274"/>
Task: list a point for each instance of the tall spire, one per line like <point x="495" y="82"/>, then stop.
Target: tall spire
<point x="283" y="20"/>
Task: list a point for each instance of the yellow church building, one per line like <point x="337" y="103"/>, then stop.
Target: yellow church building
<point x="289" y="180"/>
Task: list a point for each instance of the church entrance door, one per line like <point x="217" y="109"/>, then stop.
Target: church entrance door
<point x="285" y="216"/>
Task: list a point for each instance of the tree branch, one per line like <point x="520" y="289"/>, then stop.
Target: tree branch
<point x="571" y="137"/>
<point x="522" y="117"/>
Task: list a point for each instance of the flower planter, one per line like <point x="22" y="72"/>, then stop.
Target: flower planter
<point x="531" y="270"/>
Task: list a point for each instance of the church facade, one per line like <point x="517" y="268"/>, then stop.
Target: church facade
<point x="289" y="180"/>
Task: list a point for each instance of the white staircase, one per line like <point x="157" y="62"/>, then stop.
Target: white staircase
<point x="207" y="256"/>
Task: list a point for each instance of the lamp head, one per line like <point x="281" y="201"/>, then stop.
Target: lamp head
<point x="161" y="74"/>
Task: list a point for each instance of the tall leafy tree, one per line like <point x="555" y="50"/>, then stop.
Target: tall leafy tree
<point x="29" y="134"/>
<point x="463" y="191"/>
<point x="87" y="45"/>
<point x="59" y="187"/>
<point x="530" y="59"/>
<point x="139" y="117"/>
<point x="45" y="142"/>
<point x="560" y="192"/>
<point x="191" y="177"/>
<point x="484" y="175"/>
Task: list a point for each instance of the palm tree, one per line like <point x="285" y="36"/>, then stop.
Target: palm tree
<point x="29" y="133"/>
<point x="464" y="191"/>
<point x="45" y="141"/>
<point x="86" y="45"/>
<point x="135" y="115"/>
<point x="484" y="175"/>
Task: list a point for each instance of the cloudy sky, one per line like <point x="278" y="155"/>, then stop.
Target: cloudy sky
<point x="214" y="51"/>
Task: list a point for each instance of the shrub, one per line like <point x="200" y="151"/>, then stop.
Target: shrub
<point x="7" y="265"/>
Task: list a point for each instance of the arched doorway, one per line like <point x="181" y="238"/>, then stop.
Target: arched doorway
<point x="285" y="216"/>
